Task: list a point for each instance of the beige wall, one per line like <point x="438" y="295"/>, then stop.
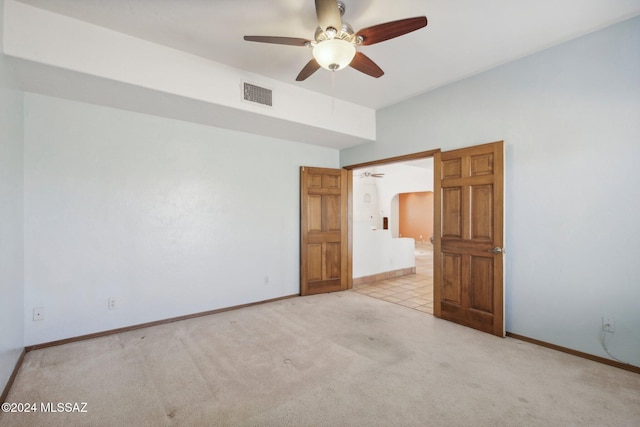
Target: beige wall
<point x="416" y="215"/>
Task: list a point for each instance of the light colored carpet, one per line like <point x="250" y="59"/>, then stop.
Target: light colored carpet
<point x="340" y="359"/>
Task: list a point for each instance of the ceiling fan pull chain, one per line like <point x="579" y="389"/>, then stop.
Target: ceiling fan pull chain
<point x="333" y="92"/>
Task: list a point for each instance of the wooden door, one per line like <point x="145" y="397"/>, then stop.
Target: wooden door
<point x="468" y="237"/>
<point x="324" y="247"/>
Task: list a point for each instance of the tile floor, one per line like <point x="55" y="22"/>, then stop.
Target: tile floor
<point x="414" y="290"/>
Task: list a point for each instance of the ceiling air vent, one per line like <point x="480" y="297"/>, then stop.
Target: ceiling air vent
<point x="257" y="94"/>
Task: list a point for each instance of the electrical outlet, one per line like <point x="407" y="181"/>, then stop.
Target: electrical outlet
<point x="38" y="313"/>
<point x="608" y="324"/>
<point x="111" y="304"/>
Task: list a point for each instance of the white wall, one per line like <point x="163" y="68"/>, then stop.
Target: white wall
<point x="377" y="251"/>
<point x="366" y="206"/>
<point x="400" y="178"/>
<point x="569" y="117"/>
<point x="168" y="217"/>
<point x="11" y="237"/>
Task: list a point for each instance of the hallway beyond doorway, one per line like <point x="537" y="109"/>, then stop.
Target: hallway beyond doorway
<point x="414" y="290"/>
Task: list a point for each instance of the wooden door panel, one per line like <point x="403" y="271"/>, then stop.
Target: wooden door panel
<point x="331" y="182"/>
<point x="314" y="262"/>
<point x="323" y="226"/>
<point x="332" y="218"/>
<point x="314" y="213"/>
<point x="332" y="261"/>
<point x="451" y="212"/>
<point x="482" y="212"/>
<point x="451" y="278"/>
<point x="468" y="276"/>
<point x="481" y="164"/>
<point x="314" y="180"/>
<point x="481" y="283"/>
<point x="451" y="168"/>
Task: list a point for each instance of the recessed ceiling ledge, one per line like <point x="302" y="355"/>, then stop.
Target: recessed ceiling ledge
<point x="55" y="40"/>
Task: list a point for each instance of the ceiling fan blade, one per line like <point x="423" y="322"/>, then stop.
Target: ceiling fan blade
<point x="291" y="41"/>
<point x="328" y="14"/>
<point x="381" y="32"/>
<point x="362" y="63"/>
<point x="311" y="67"/>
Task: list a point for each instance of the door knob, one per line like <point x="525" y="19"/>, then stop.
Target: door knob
<point x="496" y="250"/>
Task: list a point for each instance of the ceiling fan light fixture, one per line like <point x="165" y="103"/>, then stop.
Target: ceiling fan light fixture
<point x="334" y="54"/>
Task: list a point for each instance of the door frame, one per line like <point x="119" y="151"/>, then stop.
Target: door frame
<point x="350" y="168"/>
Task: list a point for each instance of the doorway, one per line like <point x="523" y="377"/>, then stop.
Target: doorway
<point x="468" y="262"/>
<point x="392" y="230"/>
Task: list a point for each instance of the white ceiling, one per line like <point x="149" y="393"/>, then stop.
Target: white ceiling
<point x="463" y="37"/>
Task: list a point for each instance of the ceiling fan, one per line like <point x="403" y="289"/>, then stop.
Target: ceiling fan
<point x="335" y="43"/>
<point x="367" y="174"/>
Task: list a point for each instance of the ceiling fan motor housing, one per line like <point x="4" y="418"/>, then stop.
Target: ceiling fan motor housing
<point x="334" y="49"/>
